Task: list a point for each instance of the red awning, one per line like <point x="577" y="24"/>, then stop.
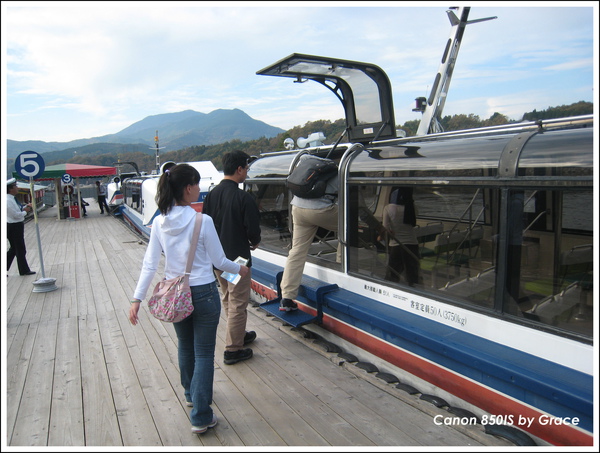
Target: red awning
<point x="75" y="170"/>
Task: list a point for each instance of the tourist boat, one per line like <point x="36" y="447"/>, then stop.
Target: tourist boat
<point x="501" y="318"/>
<point x="132" y="195"/>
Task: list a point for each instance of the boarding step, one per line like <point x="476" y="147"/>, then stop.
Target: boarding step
<point x="295" y="318"/>
<point x="311" y="292"/>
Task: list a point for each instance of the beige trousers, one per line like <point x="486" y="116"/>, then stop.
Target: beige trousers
<point x="235" y="300"/>
<point x="306" y="222"/>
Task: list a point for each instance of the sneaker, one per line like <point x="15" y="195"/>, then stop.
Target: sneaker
<point x="189" y="404"/>
<point x="287" y="305"/>
<point x="249" y="337"/>
<point x="203" y="429"/>
<point x="231" y="357"/>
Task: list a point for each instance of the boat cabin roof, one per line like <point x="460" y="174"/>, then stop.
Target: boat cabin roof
<point x="486" y="155"/>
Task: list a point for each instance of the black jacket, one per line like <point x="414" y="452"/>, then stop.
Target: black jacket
<point x="236" y="217"/>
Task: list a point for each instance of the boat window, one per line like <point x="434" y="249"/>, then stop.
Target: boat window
<point x="430" y="237"/>
<point x="552" y="260"/>
<point x="444" y="158"/>
<point x="363" y="89"/>
<point x="132" y="194"/>
<point x="366" y="96"/>
<point x="270" y="167"/>
<point x="272" y="199"/>
<point x="559" y="153"/>
<point x="537" y="268"/>
<point x="273" y="203"/>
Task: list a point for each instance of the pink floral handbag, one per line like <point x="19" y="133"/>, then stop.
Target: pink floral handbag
<point x="171" y="300"/>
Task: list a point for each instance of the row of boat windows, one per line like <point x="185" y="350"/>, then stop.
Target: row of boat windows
<point x="525" y="254"/>
<point x="132" y="195"/>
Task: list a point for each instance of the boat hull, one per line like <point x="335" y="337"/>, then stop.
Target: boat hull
<point x="512" y="387"/>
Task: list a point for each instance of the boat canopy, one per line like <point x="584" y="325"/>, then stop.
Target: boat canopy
<point x="525" y="152"/>
<point x="363" y="89"/>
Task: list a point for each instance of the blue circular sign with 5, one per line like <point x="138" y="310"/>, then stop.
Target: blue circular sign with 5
<point x="29" y="165"/>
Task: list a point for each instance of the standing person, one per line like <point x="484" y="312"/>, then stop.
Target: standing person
<point x="171" y="234"/>
<point x="237" y="220"/>
<point x="399" y="220"/>
<point x="15" y="228"/>
<point x="308" y="214"/>
<point x="101" y="192"/>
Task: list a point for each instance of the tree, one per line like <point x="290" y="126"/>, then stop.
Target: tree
<point x="576" y="109"/>
<point x="410" y="127"/>
<point x="461" y="122"/>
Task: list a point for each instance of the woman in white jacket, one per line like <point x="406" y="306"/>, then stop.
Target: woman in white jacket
<point x="171" y="234"/>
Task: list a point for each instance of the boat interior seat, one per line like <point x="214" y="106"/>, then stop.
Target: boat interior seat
<point x="478" y="288"/>
<point x="575" y="265"/>
<point x="562" y="306"/>
<point x="428" y="233"/>
<point x="449" y="247"/>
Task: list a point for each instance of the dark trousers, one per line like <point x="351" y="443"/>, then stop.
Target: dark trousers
<point x="102" y="203"/>
<point x="404" y="258"/>
<point x="15" y="233"/>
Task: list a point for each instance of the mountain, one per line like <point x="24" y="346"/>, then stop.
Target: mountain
<point x="176" y="131"/>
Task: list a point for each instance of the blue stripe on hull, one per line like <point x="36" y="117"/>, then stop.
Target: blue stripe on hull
<point x="135" y="222"/>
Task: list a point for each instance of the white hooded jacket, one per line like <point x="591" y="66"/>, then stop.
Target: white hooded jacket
<point x="172" y="235"/>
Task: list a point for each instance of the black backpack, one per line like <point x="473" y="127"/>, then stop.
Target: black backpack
<point x="309" y="178"/>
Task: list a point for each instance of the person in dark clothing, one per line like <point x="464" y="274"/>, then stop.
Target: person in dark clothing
<point x="237" y="220"/>
<point x="79" y="199"/>
<point x="399" y="220"/>
<point x="15" y="228"/>
<point x="101" y="193"/>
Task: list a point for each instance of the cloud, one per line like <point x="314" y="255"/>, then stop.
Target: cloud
<point x="584" y="63"/>
<point x="99" y="61"/>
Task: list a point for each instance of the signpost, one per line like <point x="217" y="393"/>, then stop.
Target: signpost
<point x="68" y="190"/>
<point x="67" y="178"/>
<point x="30" y="165"/>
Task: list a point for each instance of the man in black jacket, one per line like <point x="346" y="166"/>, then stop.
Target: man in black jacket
<point x="237" y="220"/>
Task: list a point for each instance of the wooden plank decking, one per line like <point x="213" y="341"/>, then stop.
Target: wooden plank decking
<point x="77" y="373"/>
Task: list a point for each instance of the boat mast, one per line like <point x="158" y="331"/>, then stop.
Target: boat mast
<point x="433" y="106"/>
<point x="157" y="148"/>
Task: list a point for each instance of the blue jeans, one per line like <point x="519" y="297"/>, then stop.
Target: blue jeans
<point x="197" y="336"/>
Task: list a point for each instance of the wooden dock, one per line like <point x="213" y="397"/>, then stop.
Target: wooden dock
<point x="77" y="373"/>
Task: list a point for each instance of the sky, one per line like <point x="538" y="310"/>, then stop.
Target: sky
<point x="74" y="70"/>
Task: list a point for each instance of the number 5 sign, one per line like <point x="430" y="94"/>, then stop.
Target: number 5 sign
<point x="29" y="165"/>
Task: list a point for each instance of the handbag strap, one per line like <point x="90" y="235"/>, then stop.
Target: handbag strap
<point x="193" y="245"/>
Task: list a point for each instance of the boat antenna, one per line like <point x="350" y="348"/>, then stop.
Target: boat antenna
<point x="157" y="148"/>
